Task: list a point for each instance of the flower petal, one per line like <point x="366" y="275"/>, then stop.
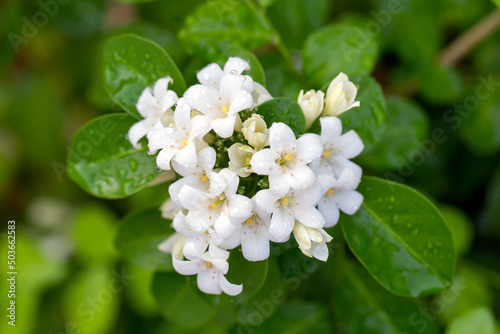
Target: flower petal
<point x="309" y="217"/>
<point x="236" y="65"/>
<point x="208" y="281"/>
<point x="280" y="183"/>
<point x="319" y="251"/>
<point x="329" y="211"/>
<point x="349" y="145"/>
<point x="255" y="242"/>
<point x="224" y="127"/>
<point x="309" y="148"/>
<point x="331" y="129"/>
<point x="139" y="130"/>
<point x="264" y="162"/>
<point x="186" y="267"/>
<point x="265" y="200"/>
<point x="229" y="288"/>
<point x="300" y="178"/>
<point x="281" y="138"/>
<point x="164" y="157"/>
<point x="348" y="201"/>
<point x="239" y="101"/>
<point x="192" y="199"/>
<point x="187" y="156"/>
<point x="240" y="207"/>
<point x="210" y="75"/>
<point x="282" y="222"/>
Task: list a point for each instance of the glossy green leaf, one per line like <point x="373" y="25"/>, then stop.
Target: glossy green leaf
<point x="139" y="236"/>
<point x="223" y="21"/>
<point x="401" y="238"/>
<point x="282" y="109"/>
<point x="460" y="226"/>
<point x="407" y="126"/>
<point x="338" y="48"/>
<point x="179" y="302"/>
<point x="138" y="292"/>
<point x="468" y="291"/>
<point x="478" y="321"/>
<point x="132" y="63"/>
<point x="296" y="19"/>
<point x="251" y="274"/>
<point x="365" y="307"/>
<point x="370" y="118"/>
<point x="94" y="247"/>
<point x="104" y="163"/>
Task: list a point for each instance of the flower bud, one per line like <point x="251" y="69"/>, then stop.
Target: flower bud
<point x="255" y="131"/>
<point x="340" y="96"/>
<point x="312" y="104"/>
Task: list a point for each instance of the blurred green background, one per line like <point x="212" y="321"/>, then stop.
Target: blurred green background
<point x="72" y="280"/>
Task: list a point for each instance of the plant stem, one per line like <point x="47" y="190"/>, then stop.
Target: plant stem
<point x="466" y="42"/>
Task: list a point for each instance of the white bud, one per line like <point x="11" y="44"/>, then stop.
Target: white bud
<point x="312" y="104"/>
<point x="255" y="131"/>
<point x="173" y="245"/>
<point x="340" y="96"/>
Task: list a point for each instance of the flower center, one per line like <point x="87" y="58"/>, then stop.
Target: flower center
<point x="326" y="153"/>
<point x="285" y="200"/>
<point x="225" y="108"/>
<point x="330" y="191"/>
<point x="208" y="265"/>
<point x="288" y="157"/>
<point x="250" y="221"/>
<point x="215" y="205"/>
<point x="204" y="178"/>
<point x="247" y="161"/>
<point x="185" y="142"/>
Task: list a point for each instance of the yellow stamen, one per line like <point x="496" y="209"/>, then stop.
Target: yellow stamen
<point x="288" y="157"/>
<point x="204" y="178"/>
<point x="208" y="265"/>
<point x="249" y="221"/>
<point x="225" y="108"/>
<point x="330" y="192"/>
<point x="213" y="206"/>
<point x="185" y="142"/>
<point x="285" y="201"/>
<point x="247" y="161"/>
<point x="326" y="153"/>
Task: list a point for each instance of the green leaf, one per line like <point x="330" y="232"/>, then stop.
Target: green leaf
<point x="401" y="238"/>
<point x="365" y="307"/>
<point x="497" y="2"/>
<point x="139" y="236"/>
<point x="290" y="318"/>
<point x="296" y="19"/>
<point x="490" y="215"/>
<point x="407" y="127"/>
<point x="95" y="247"/>
<point x="338" y="48"/>
<point x="179" y="301"/>
<point x="132" y="63"/>
<point x="104" y="163"/>
<point x="223" y="21"/>
<point x="282" y="109"/>
<point x="478" y="321"/>
<point x="370" y="118"/>
<point x="460" y="226"/>
<point x="251" y="274"/>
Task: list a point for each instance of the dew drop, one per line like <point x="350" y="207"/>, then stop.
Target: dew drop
<point x="236" y="210"/>
<point x="206" y="76"/>
<point x="158" y="169"/>
<point x="234" y="72"/>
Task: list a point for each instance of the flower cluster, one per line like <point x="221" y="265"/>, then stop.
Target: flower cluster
<point x="242" y="183"/>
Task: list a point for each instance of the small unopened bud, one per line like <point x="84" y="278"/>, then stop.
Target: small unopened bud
<point x="340" y="96"/>
<point x="312" y="104"/>
<point x="255" y="131"/>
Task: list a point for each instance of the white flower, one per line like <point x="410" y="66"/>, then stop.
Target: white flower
<point x="255" y="237"/>
<point x="339" y="194"/>
<point x="255" y="131"/>
<point x="312" y="104"/>
<point x="340" y="96"/>
<point x="286" y="160"/>
<point x="169" y="209"/>
<point x="239" y="159"/>
<point x="178" y="141"/>
<point x="338" y="148"/>
<point x="201" y="177"/>
<point x="222" y="211"/>
<point x="173" y="245"/>
<point x="296" y="205"/>
<point x="210" y="267"/>
<point x="260" y="94"/>
<point x="212" y="74"/>
<point x="153" y="104"/>
<point x="221" y="107"/>
<point x="312" y="241"/>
